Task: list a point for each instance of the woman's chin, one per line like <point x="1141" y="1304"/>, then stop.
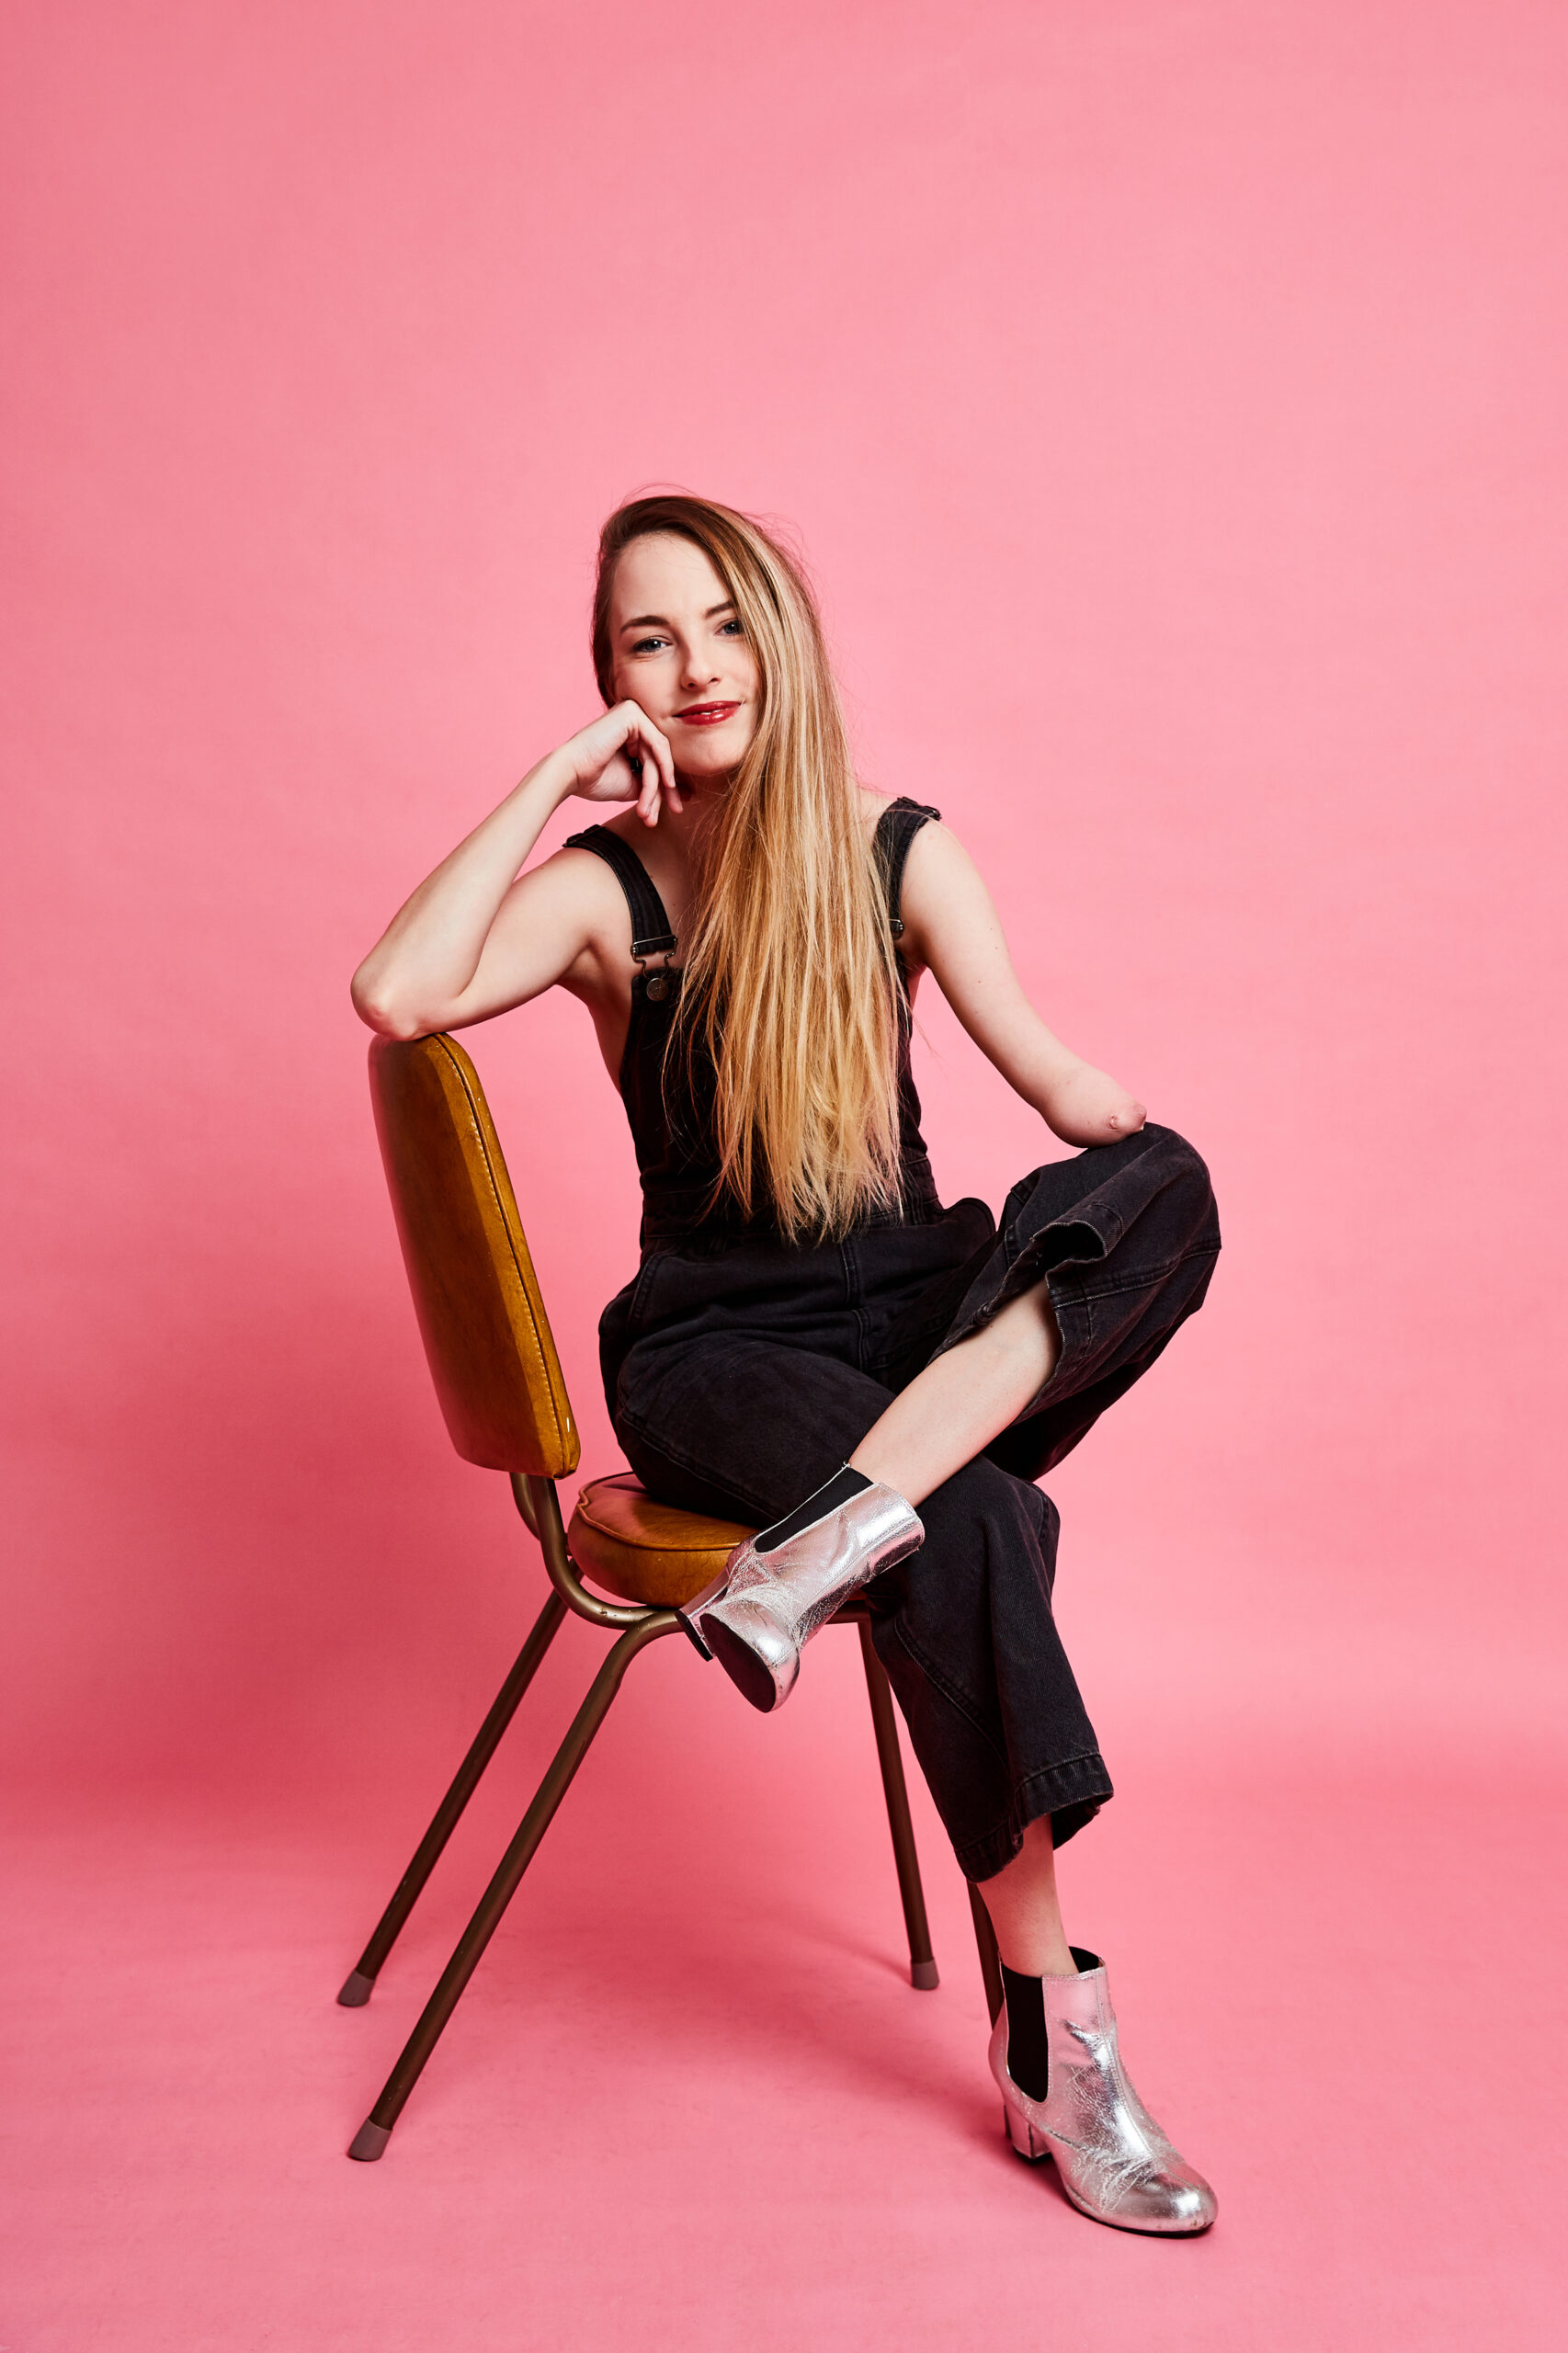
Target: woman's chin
<point x="704" y="775"/>
<point x="708" y="754"/>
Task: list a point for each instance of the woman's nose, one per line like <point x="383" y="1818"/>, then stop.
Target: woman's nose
<point x="697" y="669"/>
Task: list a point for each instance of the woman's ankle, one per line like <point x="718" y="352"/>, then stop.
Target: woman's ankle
<point x="1044" y="1956"/>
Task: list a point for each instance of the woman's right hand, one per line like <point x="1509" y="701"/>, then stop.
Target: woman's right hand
<point x="479" y="935"/>
<point x="621" y="755"/>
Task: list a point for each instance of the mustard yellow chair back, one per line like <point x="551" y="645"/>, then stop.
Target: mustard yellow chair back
<point x="486" y="1335"/>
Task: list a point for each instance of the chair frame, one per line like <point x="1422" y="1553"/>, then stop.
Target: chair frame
<point x="634" y="1630"/>
<point x="634" y="1627"/>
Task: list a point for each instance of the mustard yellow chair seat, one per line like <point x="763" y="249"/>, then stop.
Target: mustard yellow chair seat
<point x="644" y="1550"/>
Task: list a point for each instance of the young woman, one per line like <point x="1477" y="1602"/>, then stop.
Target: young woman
<point x="812" y="1342"/>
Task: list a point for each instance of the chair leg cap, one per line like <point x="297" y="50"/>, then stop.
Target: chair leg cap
<point x="355" y="1991"/>
<point x="369" y="2142"/>
<point x="923" y="1976"/>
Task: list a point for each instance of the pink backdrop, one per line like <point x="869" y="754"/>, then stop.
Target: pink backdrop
<point x="1170" y="402"/>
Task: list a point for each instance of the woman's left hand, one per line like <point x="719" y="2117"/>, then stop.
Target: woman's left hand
<point x="1085" y="1107"/>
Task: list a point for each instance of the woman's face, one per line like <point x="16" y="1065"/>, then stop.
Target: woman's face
<point x="679" y="651"/>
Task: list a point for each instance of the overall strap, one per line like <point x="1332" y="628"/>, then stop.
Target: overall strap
<point x="650" y="932"/>
<point x="896" y="828"/>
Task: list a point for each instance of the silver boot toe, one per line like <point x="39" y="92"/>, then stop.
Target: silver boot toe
<point x="756" y="1618"/>
<point x="1116" y="2165"/>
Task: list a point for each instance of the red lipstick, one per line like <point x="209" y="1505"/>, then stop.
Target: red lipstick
<point x="707" y="714"/>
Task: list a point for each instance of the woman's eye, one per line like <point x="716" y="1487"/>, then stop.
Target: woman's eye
<point x="730" y="629"/>
<point x="648" y="645"/>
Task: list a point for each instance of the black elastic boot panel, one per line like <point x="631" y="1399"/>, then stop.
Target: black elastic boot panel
<point x="1029" y="2052"/>
<point x="842" y="1488"/>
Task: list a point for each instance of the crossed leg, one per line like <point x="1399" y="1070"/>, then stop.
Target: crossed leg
<point x="964" y="1398"/>
<point x="1157" y="1231"/>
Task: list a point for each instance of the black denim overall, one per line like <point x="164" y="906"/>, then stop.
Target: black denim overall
<point x="741" y="1370"/>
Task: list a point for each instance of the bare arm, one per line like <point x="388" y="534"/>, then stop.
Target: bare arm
<point x="951" y="927"/>
<point x="478" y="937"/>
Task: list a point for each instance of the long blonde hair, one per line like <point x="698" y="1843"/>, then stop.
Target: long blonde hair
<point x="789" y="980"/>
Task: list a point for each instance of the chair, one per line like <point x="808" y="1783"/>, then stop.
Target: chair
<point x="501" y="1390"/>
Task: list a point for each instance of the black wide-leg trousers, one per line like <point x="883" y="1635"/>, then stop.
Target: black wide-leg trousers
<point x="742" y="1372"/>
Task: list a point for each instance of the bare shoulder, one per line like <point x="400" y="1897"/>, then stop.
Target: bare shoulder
<point x="946" y="906"/>
<point x="568" y="869"/>
<point x="936" y="860"/>
<point x="874" y="807"/>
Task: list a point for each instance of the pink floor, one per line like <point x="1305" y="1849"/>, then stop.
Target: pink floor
<point x="691" y="2100"/>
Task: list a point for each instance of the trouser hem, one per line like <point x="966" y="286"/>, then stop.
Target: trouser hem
<point x="1071" y="1794"/>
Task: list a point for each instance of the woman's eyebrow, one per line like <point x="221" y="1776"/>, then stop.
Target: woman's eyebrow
<point x="657" y="620"/>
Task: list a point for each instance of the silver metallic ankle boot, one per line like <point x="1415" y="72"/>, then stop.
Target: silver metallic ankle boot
<point x="782" y="1584"/>
<point x="1116" y="2163"/>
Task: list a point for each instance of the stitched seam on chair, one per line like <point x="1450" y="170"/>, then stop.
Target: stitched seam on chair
<point x="500" y="1212"/>
<point x="638" y="1543"/>
<point x="587" y="1499"/>
<point x="582" y="1510"/>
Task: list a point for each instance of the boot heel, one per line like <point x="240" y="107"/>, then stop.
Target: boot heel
<point x="1023" y="2136"/>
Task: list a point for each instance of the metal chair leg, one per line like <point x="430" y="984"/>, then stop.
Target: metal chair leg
<point x="921" y="1968"/>
<point x="374" y="2134"/>
<point x="355" y="1989"/>
<point x="990" y="1961"/>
